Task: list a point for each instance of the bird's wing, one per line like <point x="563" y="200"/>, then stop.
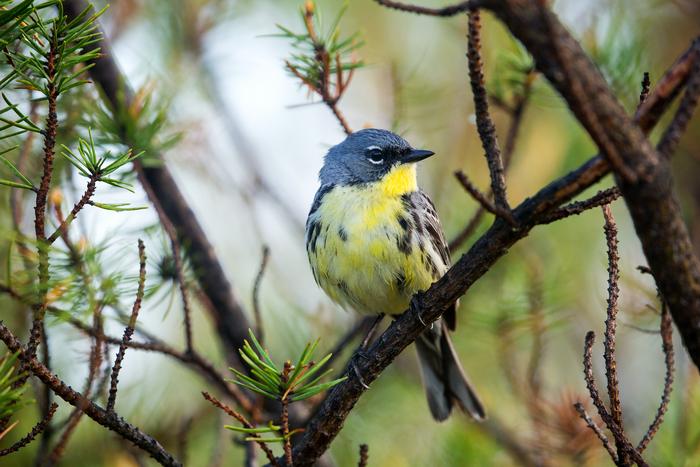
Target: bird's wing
<point x="314" y="207"/>
<point x="430" y="224"/>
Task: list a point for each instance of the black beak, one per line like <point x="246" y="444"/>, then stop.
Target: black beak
<point x="416" y="155"/>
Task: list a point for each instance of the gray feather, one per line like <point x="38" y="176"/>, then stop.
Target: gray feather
<point x="443" y="376"/>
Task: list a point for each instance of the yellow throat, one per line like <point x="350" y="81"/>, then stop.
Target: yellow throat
<point x="399" y="180"/>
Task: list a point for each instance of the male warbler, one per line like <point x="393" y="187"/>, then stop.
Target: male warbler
<point x="374" y="239"/>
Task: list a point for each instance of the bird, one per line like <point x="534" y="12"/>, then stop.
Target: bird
<point x="374" y="239"/>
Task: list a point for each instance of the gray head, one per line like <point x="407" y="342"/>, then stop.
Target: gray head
<point x="366" y="156"/>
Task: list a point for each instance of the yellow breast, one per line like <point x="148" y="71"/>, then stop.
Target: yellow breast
<point x="366" y="256"/>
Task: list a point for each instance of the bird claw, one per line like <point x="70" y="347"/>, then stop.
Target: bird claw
<point x="359" y="376"/>
<point x="363" y="355"/>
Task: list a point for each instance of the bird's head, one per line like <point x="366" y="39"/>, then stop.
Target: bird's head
<point x="370" y="155"/>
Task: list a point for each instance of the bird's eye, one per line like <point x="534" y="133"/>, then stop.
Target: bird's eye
<point x="374" y="155"/>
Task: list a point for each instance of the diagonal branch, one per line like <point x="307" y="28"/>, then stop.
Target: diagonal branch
<point x="596" y="429"/>
<point x="672" y="135"/>
<point x="109" y="420"/>
<point x="426" y="307"/>
<point x="484" y="202"/>
<point x="227" y="312"/>
<point x="40" y="427"/>
<point x="420" y="10"/>
<point x="664" y="236"/>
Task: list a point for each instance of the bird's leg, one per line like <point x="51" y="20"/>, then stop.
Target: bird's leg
<point x="370" y="334"/>
<point x="360" y="351"/>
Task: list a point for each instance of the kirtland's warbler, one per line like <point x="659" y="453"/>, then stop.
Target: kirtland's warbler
<point x="374" y="239"/>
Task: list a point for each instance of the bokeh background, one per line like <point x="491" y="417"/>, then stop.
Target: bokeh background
<point x="251" y="144"/>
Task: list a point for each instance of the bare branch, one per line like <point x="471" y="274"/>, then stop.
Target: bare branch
<point x="84" y="199"/>
<point x="596" y="429"/>
<point x="611" y="327"/>
<point x="29" y="437"/>
<point x="601" y="198"/>
<point x="364" y="455"/>
<point x="664" y="236"/>
<point x="646" y="87"/>
<point x="229" y="318"/>
<point x="483" y="201"/>
<point x="672" y="135"/>
<point x="444" y="11"/>
<point x="667" y="346"/>
<point x="243" y="421"/>
<point x="484" y="124"/>
<point x="129" y="331"/>
<point x="109" y="420"/>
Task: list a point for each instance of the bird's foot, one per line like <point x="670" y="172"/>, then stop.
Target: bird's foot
<point x="359" y="354"/>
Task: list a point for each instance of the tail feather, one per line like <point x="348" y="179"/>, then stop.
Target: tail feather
<point x="443" y="376"/>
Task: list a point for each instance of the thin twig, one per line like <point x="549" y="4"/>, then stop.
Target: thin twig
<point x="486" y="203"/>
<point x="484" y="124"/>
<point x="672" y="135"/>
<point x="596" y="429"/>
<point x="192" y="359"/>
<point x="611" y="324"/>
<point x="84" y="199"/>
<point x="444" y="11"/>
<point x="182" y="285"/>
<point x="109" y="420"/>
<point x="601" y="198"/>
<point x="29" y="437"/>
<point x="244" y="422"/>
<point x="256" y="293"/>
<point x="284" y="417"/>
<point x="516" y="113"/>
<point x="364" y="455"/>
<point x="667" y="346"/>
<point x="324" y="61"/>
<point x="129" y="331"/>
<point x="646" y="88"/>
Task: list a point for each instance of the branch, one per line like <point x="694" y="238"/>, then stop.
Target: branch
<point x="109" y="420"/>
<point x="50" y="130"/>
<point x="667" y="346"/>
<point x="611" y="327"/>
<point x="364" y="455"/>
<point x="192" y="359"/>
<point x="484" y="124"/>
<point x="601" y="198"/>
<point x="87" y="195"/>
<point x="226" y="311"/>
<point x="426" y="307"/>
<point x="483" y="201"/>
<point x="674" y="131"/>
<point x="444" y="11"/>
<point x="243" y="421"/>
<point x="596" y="429"/>
<point x="29" y="437"/>
<point x="664" y="236"/>
<point x="129" y="331"/>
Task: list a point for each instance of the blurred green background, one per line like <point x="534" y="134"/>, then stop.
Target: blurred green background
<point x="250" y="150"/>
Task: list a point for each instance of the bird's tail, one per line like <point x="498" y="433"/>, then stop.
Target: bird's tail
<point x="443" y="377"/>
